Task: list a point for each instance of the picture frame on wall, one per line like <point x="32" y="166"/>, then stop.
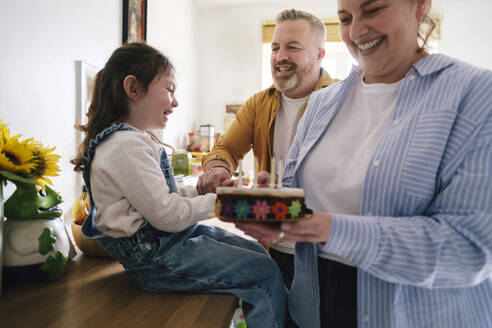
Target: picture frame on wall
<point x="85" y="74"/>
<point x="134" y="21"/>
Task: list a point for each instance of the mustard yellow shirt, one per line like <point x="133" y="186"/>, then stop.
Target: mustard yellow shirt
<point x="253" y="127"/>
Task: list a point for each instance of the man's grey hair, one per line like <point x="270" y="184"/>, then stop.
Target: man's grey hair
<point x="294" y="14"/>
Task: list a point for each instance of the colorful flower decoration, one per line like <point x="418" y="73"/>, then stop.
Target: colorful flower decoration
<point x="295" y="208"/>
<point x="227" y="208"/>
<point x="218" y="207"/>
<point x="242" y="209"/>
<point x="280" y="210"/>
<point x="261" y="209"/>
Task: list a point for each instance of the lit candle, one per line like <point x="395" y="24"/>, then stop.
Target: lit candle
<point x="272" y="172"/>
<point x="240" y="182"/>
<point x="280" y="172"/>
<point x="255" y="176"/>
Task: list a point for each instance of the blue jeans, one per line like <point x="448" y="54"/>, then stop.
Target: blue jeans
<point x="204" y="259"/>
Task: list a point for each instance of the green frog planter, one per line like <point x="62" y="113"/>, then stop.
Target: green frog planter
<point x="36" y="245"/>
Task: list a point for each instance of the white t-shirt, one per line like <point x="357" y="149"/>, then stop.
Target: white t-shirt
<point x="128" y="185"/>
<point x="335" y="168"/>
<point x="285" y="129"/>
<point x="285" y="125"/>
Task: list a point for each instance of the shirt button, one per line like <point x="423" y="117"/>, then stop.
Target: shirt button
<point x="411" y="77"/>
<point x="148" y="246"/>
<point x="376" y="163"/>
<point x="366" y="318"/>
<point x="396" y="121"/>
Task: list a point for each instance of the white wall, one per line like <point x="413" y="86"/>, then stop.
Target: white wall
<point x="466" y="30"/>
<point x="40" y="42"/>
<point x="171" y="29"/>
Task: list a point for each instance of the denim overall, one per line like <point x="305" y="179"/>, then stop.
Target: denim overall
<point x="199" y="259"/>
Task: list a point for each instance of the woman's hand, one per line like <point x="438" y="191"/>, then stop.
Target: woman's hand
<point x="315" y="229"/>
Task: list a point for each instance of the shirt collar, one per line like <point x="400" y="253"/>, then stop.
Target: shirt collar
<point x="433" y="64"/>
<point x="425" y="66"/>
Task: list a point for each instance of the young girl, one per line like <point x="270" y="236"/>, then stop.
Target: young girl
<point x="142" y="218"/>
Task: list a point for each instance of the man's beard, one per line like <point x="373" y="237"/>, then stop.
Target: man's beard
<point x="294" y="81"/>
<point x="287" y="85"/>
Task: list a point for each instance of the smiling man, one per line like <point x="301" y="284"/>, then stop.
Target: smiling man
<point x="267" y="121"/>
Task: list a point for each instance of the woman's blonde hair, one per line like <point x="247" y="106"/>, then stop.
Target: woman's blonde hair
<point x="427" y="26"/>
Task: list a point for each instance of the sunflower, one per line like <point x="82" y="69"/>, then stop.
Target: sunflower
<point x="45" y="164"/>
<point x="15" y="156"/>
<point x="28" y="158"/>
<point x="4" y="133"/>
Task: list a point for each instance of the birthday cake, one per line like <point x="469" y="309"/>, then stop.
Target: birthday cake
<point x="260" y="204"/>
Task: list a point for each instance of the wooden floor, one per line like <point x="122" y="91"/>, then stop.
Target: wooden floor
<point x="95" y="293"/>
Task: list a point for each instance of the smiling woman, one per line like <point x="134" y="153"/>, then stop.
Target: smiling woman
<point x="394" y="161"/>
<point x="380" y="35"/>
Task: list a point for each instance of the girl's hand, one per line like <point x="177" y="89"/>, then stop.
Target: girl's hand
<point x="315" y="229"/>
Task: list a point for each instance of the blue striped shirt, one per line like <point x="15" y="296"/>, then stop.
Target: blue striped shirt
<point x="423" y="243"/>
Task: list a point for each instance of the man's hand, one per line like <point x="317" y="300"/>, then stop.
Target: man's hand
<point x="315" y="229"/>
<point x="213" y="178"/>
<point x="263" y="178"/>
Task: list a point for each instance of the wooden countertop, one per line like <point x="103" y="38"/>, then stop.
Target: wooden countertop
<point x="95" y="293"/>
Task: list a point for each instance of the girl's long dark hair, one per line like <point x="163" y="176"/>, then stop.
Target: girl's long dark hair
<point x="109" y="101"/>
